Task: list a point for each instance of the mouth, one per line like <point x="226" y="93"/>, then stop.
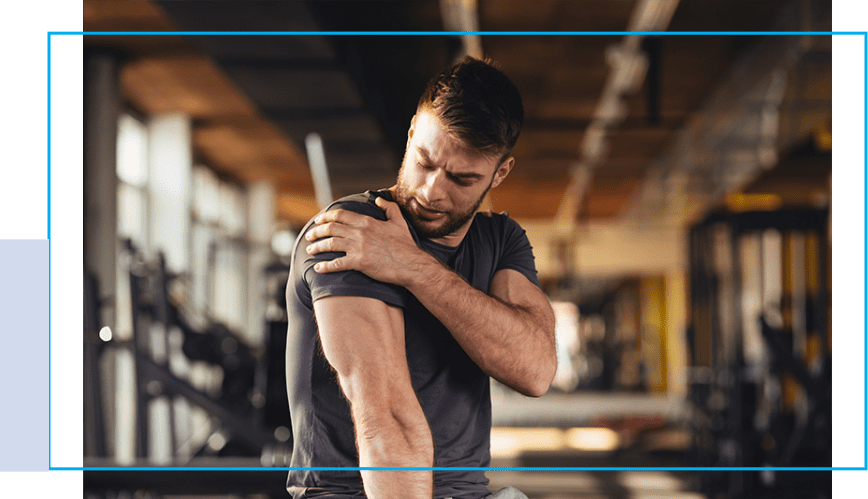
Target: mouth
<point x="427" y="213"/>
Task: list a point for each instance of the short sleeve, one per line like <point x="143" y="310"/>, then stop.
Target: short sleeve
<point x="347" y="283"/>
<point x="517" y="253"/>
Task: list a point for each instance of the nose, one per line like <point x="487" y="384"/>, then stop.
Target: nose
<point x="432" y="190"/>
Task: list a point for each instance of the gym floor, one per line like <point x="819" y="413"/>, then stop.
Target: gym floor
<point x="536" y="484"/>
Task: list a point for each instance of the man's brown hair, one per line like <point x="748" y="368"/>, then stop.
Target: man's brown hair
<point x="476" y="103"/>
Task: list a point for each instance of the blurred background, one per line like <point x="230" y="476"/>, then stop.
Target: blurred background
<point x="676" y="191"/>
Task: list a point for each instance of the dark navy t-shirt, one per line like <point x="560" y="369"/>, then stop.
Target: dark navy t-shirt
<point x="452" y="390"/>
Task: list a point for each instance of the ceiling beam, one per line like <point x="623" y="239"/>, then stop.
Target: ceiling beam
<point x="463" y="15"/>
<point x="628" y="66"/>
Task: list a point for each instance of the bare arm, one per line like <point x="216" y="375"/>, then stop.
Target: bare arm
<point x="363" y="339"/>
<point x="509" y="332"/>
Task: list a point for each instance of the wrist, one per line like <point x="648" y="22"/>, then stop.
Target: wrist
<point x="423" y="272"/>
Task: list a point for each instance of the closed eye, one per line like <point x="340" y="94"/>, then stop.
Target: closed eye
<point x="465" y="180"/>
<point x="462" y="179"/>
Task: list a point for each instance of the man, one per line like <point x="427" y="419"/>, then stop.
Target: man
<point x="403" y="302"/>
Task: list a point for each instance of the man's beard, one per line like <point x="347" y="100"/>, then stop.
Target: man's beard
<point x="425" y="228"/>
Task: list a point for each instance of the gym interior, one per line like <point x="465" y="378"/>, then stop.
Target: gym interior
<point x="676" y="191"/>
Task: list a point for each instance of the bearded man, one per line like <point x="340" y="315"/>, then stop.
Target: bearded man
<point x="403" y="302"/>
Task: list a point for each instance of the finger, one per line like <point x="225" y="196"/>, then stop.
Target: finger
<point x="391" y="209"/>
<point x="327" y="245"/>
<point x="339" y="216"/>
<point x="311" y="234"/>
<point x="336" y="265"/>
<point x="329" y="229"/>
<point x="315" y="232"/>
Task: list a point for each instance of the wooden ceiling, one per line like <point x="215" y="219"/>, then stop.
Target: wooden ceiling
<point x="254" y="98"/>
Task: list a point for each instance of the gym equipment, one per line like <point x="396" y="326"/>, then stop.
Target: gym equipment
<point x="238" y="406"/>
<point x="759" y="339"/>
<point x="94" y="425"/>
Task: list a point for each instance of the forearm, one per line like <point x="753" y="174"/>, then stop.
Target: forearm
<point x="399" y="438"/>
<point x="512" y="343"/>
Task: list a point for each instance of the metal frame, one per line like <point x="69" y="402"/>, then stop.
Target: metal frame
<point x="723" y="393"/>
<point x="244" y="429"/>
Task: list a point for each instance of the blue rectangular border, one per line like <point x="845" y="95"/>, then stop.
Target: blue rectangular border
<point x="863" y="34"/>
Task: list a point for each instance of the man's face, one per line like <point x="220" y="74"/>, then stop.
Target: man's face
<point x="442" y="183"/>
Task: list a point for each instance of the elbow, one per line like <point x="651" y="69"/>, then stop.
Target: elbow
<point x="542" y="386"/>
<point x="539" y="384"/>
<point x="547" y="364"/>
<point x="536" y="390"/>
<point x="545" y="373"/>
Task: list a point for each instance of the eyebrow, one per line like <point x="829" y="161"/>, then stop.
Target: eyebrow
<point x="459" y="175"/>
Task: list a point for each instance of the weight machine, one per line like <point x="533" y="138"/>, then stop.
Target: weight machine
<point x="759" y="337"/>
<point x="165" y="338"/>
<point x="94" y="424"/>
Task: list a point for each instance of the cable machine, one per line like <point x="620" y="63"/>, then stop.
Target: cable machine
<point x="159" y="329"/>
<point x="759" y="336"/>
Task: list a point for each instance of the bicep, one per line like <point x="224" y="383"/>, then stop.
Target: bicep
<point x="363" y="339"/>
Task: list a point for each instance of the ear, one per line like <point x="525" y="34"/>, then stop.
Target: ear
<point x="502" y="171"/>
<point x="411" y="131"/>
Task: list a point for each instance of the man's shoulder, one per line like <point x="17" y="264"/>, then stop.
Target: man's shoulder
<point x="311" y="285"/>
<point x="363" y="203"/>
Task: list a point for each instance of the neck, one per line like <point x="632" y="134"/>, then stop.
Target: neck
<point x="453" y="239"/>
